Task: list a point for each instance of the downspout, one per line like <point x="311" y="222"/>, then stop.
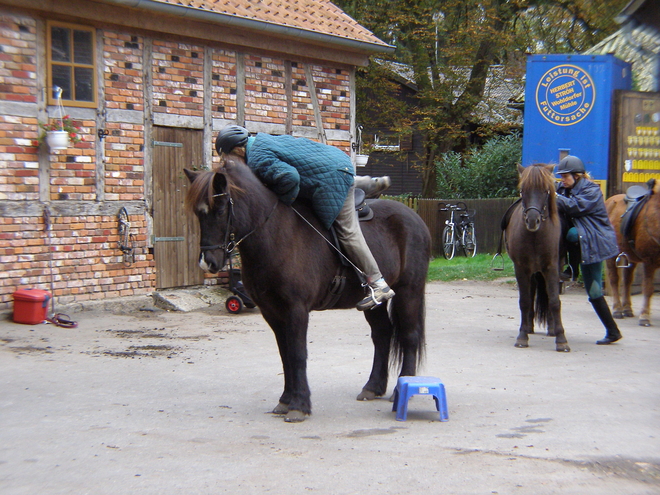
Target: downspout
<point x="244" y="23"/>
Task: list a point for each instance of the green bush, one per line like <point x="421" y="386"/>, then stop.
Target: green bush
<point x="487" y="172"/>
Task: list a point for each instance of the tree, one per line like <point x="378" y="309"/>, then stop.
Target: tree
<point x="452" y="44"/>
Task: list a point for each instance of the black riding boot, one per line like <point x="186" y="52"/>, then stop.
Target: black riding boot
<point x="603" y="311"/>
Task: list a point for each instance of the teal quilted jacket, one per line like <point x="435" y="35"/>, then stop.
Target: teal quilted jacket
<point x="298" y="167"/>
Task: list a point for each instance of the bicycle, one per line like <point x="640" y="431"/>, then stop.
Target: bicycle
<point x="459" y="234"/>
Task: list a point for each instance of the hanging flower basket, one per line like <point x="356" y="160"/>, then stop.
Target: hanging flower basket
<point x="57" y="140"/>
<point x="60" y="132"/>
<point x="361" y="160"/>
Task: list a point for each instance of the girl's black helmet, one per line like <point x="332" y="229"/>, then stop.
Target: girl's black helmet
<point x="570" y="165"/>
<point x="229" y="137"/>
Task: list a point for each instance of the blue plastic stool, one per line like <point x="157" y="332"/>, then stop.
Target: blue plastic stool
<point x="407" y="386"/>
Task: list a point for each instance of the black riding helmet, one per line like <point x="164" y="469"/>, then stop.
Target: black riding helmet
<point x="570" y="165"/>
<point x="229" y="137"/>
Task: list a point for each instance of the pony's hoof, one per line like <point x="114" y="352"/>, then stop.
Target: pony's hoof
<point x="618" y="315"/>
<point x="628" y="313"/>
<point x="644" y="322"/>
<point x="281" y="409"/>
<point x="521" y="344"/>
<point x="294" y="416"/>
<point x="563" y="348"/>
<point x="366" y="395"/>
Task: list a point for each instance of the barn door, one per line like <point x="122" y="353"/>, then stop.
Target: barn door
<point x="176" y="232"/>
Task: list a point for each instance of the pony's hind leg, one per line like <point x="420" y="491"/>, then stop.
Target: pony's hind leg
<point x="647" y="293"/>
<point x="381" y="336"/>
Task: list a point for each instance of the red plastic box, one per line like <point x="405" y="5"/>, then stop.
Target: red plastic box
<point x="31" y="306"/>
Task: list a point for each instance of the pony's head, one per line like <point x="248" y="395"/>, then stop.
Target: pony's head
<point x="537" y="190"/>
<point x="210" y="198"/>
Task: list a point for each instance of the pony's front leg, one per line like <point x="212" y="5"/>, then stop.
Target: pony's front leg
<point x="290" y="330"/>
<point x="381" y="336"/>
<point x="613" y="284"/>
<point x="647" y="292"/>
<point x="526" y="303"/>
<point x="626" y="303"/>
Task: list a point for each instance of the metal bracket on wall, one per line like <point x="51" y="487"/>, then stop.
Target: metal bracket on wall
<point x="166" y="239"/>
<point x="165" y="143"/>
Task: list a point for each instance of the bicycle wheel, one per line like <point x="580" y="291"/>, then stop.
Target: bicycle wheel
<point x="448" y="242"/>
<point x="469" y="241"/>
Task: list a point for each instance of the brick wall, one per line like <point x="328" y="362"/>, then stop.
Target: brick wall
<point x="79" y="190"/>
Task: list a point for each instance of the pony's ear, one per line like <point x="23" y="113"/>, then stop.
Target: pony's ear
<point x="521" y="169"/>
<point x="219" y="183"/>
<point x="190" y="174"/>
<point x="550" y="168"/>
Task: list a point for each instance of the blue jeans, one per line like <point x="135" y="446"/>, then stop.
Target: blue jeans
<point x="592" y="274"/>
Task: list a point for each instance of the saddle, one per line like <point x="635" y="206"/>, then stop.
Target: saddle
<point x="365" y="213"/>
<point x="636" y="197"/>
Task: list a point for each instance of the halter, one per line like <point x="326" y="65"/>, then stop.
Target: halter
<point x="229" y="244"/>
<point x="543" y="212"/>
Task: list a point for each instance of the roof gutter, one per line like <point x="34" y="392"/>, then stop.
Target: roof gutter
<point x="241" y="22"/>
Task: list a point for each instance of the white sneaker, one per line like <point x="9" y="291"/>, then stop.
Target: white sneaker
<point x="380" y="292"/>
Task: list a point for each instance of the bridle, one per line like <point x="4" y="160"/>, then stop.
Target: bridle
<point x="543" y="212"/>
<point x="230" y="243"/>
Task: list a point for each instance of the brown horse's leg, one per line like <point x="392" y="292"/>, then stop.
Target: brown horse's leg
<point x="526" y="304"/>
<point x="381" y="336"/>
<point x="628" y="275"/>
<point x="290" y="328"/>
<point x="647" y="291"/>
<point x="613" y="286"/>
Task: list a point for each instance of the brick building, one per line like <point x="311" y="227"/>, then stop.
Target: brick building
<point x="149" y="83"/>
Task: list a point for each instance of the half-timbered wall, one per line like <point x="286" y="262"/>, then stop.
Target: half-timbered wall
<point x="58" y="209"/>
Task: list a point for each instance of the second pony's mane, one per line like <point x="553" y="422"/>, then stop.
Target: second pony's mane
<point x="538" y="176"/>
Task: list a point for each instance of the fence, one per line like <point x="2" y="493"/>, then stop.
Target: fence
<point x="489" y="213"/>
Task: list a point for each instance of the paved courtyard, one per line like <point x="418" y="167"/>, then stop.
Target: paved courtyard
<point x="138" y="400"/>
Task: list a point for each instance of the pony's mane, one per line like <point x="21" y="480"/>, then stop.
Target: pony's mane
<point x="538" y="176"/>
<point x="201" y="190"/>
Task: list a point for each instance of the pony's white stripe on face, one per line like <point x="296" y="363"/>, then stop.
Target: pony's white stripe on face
<point x="203" y="208"/>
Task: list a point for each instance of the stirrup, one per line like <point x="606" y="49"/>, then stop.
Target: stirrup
<point x="492" y="263"/>
<point x="622" y="261"/>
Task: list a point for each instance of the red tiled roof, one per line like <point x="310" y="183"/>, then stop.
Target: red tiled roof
<point x="319" y="16"/>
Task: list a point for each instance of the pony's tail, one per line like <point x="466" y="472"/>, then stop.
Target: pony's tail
<point x="414" y="338"/>
<point x="541" y="301"/>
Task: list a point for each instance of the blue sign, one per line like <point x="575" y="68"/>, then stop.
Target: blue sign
<point x="569" y="108"/>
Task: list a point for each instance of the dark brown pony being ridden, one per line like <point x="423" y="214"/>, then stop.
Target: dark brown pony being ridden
<point x="532" y="241"/>
<point x="642" y="245"/>
<point x="288" y="268"/>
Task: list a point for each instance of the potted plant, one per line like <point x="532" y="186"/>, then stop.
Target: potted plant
<point x="361" y="159"/>
<point x="60" y="132"/>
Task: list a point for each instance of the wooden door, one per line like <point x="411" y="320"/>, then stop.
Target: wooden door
<point x="176" y="232"/>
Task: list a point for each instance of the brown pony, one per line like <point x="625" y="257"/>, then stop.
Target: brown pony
<point x="288" y="267"/>
<point x="641" y="246"/>
<point x="532" y="240"/>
